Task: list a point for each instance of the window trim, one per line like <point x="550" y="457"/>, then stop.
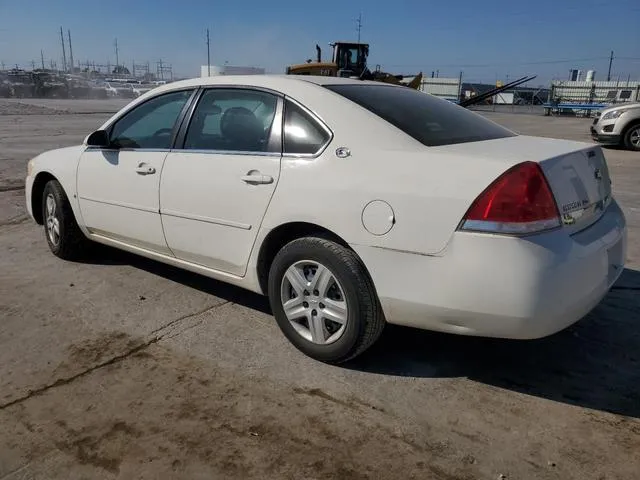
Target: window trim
<point x="275" y="136"/>
<point x="314" y="118"/>
<point x="176" y="126"/>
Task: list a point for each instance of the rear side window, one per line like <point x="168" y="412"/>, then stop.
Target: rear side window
<point x="302" y="134"/>
<point x="429" y="120"/>
<point x="232" y="120"/>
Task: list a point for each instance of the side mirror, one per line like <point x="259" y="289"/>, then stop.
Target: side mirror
<point x="99" y="138"/>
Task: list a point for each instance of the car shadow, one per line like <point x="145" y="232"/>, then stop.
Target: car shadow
<point x="104" y="255"/>
<point x="593" y="364"/>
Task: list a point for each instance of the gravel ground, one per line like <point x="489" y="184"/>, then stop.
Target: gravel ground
<point x="120" y="367"/>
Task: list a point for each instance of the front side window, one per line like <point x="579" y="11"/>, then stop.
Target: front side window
<point x="232" y="120"/>
<point x="151" y="124"/>
<point x="302" y="134"/>
<point x="429" y="120"/>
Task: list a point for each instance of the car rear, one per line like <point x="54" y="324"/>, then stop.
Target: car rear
<point x="540" y="243"/>
<point x="536" y="251"/>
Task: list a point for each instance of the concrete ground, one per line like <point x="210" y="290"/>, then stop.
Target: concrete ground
<point x="124" y="368"/>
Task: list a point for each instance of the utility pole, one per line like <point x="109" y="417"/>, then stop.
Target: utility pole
<point x="610" y="62"/>
<point x="208" y="56"/>
<point x="359" y="23"/>
<point x="70" y="50"/>
<point x="42" y="58"/>
<point x="117" y="58"/>
<point x="64" y="53"/>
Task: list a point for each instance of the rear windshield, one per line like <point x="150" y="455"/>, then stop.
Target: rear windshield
<point x="430" y="120"/>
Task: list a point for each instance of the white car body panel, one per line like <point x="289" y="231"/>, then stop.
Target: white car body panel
<point x="118" y="202"/>
<point x="216" y="223"/>
<point x="427" y="273"/>
<point x="61" y="163"/>
<point x="502" y="286"/>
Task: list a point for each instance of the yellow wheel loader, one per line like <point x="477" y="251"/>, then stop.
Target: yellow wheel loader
<point x="350" y="60"/>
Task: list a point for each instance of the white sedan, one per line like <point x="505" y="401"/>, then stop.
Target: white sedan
<point x="351" y="204"/>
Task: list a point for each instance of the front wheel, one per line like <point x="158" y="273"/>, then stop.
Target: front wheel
<point x="64" y="237"/>
<point x="632" y="137"/>
<point x="324" y="300"/>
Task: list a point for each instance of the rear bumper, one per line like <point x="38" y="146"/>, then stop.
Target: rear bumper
<point x="500" y="286"/>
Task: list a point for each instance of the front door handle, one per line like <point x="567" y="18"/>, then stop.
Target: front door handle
<point x="256" y="178"/>
<point x="144" y="169"/>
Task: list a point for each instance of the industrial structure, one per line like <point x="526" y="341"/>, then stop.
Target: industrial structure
<point x="441" y="87"/>
<point x="595" y="92"/>
<point x="71" y="78"/>
<point x="215" y="70"/>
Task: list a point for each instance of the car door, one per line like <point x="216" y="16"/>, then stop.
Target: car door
<point x="216" y="188"/>
<point x="118" y="187"/>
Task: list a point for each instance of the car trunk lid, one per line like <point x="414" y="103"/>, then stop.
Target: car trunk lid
<point x="581" y="184"/>
<point x="577" y="172"/>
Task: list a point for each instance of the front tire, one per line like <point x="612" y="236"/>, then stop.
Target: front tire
<point x="632" y="137"/>
<point x="324" y="300"/>
<point x="64" y="237"/>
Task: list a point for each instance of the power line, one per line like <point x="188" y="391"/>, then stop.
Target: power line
<point x="116" y="48"/>
<point x="64" y="54"/>
<point x="208" y="56"/>
<point x="70" y="50"/>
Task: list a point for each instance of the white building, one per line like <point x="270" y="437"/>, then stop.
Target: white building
<point x="229" y="70"/>
<point x="447" y="88"/>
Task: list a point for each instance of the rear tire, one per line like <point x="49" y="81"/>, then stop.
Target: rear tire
<point x="64" y="237"/>
<point x="632" y="137"/>
<point x="333" y="310"/>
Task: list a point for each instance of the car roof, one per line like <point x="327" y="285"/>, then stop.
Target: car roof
<point x="265" y="80"/>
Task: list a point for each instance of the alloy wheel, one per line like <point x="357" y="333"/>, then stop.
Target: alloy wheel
<point x="52" y="220"/>
<point x="634" y="137"/>
<point x="314" y="302"/>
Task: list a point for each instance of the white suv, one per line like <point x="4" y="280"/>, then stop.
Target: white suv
<point x="618" y="125"/>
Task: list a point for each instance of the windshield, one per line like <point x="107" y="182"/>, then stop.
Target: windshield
<point x="429" y="120"/>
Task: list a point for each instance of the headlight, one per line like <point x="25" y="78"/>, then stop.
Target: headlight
<point x="611" y="115"/>
<point x="29" y="167"/>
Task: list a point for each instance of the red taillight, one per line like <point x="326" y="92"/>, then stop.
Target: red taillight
<point x="519" y="201"/>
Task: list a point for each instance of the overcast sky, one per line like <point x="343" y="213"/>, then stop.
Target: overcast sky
<point x="486" y="40"/>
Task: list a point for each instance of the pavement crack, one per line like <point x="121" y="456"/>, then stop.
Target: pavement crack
<point x="11" y="188"/>
<point x="155" y="336"/>
<point x="17" y="220"/>
<point x="65" y="381"/>
<point x="183" y="318"/>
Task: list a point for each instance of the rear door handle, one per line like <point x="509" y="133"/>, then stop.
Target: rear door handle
<point x="144" y="169"/>
<point x="257" y="178"/>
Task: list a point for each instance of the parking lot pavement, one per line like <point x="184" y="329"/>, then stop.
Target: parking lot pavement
<point x="120" y="367"/>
